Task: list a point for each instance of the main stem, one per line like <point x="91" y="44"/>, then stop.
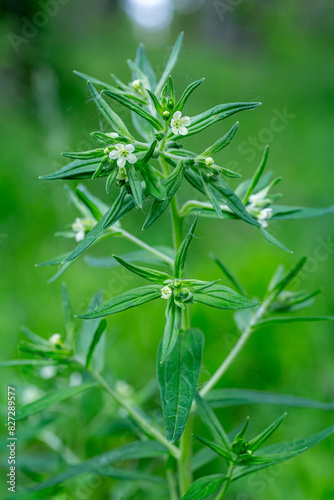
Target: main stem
<point x="226" y="484"/>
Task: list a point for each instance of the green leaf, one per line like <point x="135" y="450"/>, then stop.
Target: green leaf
<point x="135" y="108"/>
<point x="51" y="399"/>
<point x="33" y="337"/>
<point x="135" y="185"/>
<point x="281" y="212"/>
<point x="275" y="455"/>
<point x="97" y="336"/>
<point x="143" y="63"/>
<point x="77" y="169"/>
<point x="158" y="277"/>
<point x="178" y="377"/>
<point x="112" y="118"/>
<point x="291" y="319"/>
<point x="216" y="448"/>
<point x="27" y="362"/>
<point x="257" y="175"/>
<point x="211" y="421"/>
<point x="85" y="155"/>
<point x="225" y="398"/>
<point x="129" y="451"/>
<point x="172" y="184"/>
<point x="172" y="329"/>
<point x="131" y="475"/>
<point x="187" y="93"/>
<point x="68" y="314"/>
<point x="223" y="297"/>
<point x="135" y="256"/>
<point x="96" y="207"/>
<point x="221" y="143"/>
<point x="155" y="102"/>
<point x="126" y="300"/>
<point x="181" y="254"/>
<point x="170" y="64"/>
<point x="232" y="200"/>
<point x="228" y="274"/>
<point x="274" y="241"/>
<point x="259" y="440"/>
<point x="121" y="206"/>
<point x="95" y="81"/>
<point x="287" y="278"/>
<point x="202" y="121"/>
<point x="204" y="487"/>
<point x="153" y="184"/>
<point x="211" y="196"/>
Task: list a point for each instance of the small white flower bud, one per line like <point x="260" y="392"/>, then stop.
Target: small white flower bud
<point x="55" y="339"/>
<point x="166" y="292"/>
<point x="209" y="161"/>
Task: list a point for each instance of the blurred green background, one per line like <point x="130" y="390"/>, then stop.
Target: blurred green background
<point x="278" y="52"/>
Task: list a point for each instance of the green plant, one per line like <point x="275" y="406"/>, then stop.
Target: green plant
<point x="151" y="170"/>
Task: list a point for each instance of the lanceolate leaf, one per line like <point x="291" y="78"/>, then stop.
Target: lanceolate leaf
<point x="259" y="440"/>
<point x="135" y="108"/>
<point x="274" y="241"/>
<point x="223" y="297"/>
<point x="291" y="319"/>
<point x="145" y="66"/>
<point x="96" y="207"/>
<point x="50" y="399"/>
<point x="122" y="205"/>
<point x="281" y="212"/>
<point x="135" y="185"/>
<point x="172" y="184"/>
<point x="113" y="119"/>
<point x="221" y="143"/>
<point x="178" y="377"/>
<point x="76" y="169"/>
<point x="211" y="196"/>
<point x="97" y="336"/>
<point x="257" y="175"/>
<point x="182" y="251"/>
<point x="85" y="337"/>
<point x="219" y="449"/>
<point x="186" y="94"/>
<point x="279" y="453"/>
<point x="153" y="183"/>
<point x="172" y="329"/>
<point x="124" y="301"/>
<point x="170" y="64"/>
<point x="204" y="487"/>
<point x="211" y="421"/>
<point x="228" y="274"/>
<point x="287" y="278"/>
<point x="224" y="398"/>
<point x="149" y="274"/>
<point x="101" y="463"/>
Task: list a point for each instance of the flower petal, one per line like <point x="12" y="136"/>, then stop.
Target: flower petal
<point x="131" y="158"/>
<point x="121" y="161"/>
<point x="129" y="148"/>
<point x="114" y="154"/>
<point x="183" y="130"/>
<point x="120" y="147"/>
<point x="185" y="121"/>
<point x="177" y="115"/>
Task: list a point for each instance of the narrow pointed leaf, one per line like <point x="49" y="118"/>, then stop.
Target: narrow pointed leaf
<point x="212" y="198"/>
<point x="204" y="487"/>
<point x="225" y="398"/>
<point x="149" y="274"/>
<point x="281" y="212"/>
<point x="76" y="169"/>
<point x="68" y="314"/>
<point x="112" y="118"/>
<point x="274" y="241"/>
<point x="223" y="297"/>
<point x="126" y="300"/>
<point x="153" y="184"/>
<point x="27" y="362"/>
<point x="178" y="378"/>
<point x="186" y="94"/>
<point x="228" y="274"/>
<point x="33" y="337"/>
<point x="96" y="207"/>
<point x="97" y="336"/>
<point x="135" y="108"/>
<point x="259" y="440"/>
<point x="121" y="206"/>
<point x="144" y="64"/>
<point x="287" y="278"/>
<point x="172" y="184"/>
<point x="216" y="448"/>
<point x="291" y="319"/>
<point x="51" y="399"/>
<point x="257" y="175"/>
<point x="85" y="155"/>
<point x="211" y="421"/>
<point x="172" y="329"/>
<point x="129" y="451"/>
<point x="181" y="254"/>
<point x="221" y="143"/>
<point x="170" y="64"/>
<point x="135" y="185"/>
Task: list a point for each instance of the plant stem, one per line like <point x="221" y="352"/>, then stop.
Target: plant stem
<point x="237" y="348"/>
<point x="226" y="484"/>
<point x="144" y="424"/>
<point x="147" y="247"/>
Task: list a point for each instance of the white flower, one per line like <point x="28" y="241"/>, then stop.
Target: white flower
<point x="264" y="215"/>
<point x="79" y="229"/>
<point x="55" y="339"/>
<point x="123" y="154"/>
<point x="166" y="292"/>
<point x="136" y="84"/>
<point x="47" y="372"/>
<point x="179" y="123"/>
